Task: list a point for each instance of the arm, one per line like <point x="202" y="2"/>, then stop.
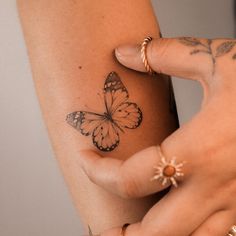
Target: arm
<point x="198" y="159"/>
<point x="70" y="45"/>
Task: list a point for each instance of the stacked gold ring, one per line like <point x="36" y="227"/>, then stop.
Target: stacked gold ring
<point x="232" y="231"/>
<point x="124" y="227"/>
<point x="144" y="55"/>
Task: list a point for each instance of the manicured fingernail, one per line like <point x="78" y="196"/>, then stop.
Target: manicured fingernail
<point x="124" y="51"/>
<point x="129" y="55"/>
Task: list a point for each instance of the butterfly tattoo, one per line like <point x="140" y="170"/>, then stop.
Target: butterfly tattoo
<point x="119" y="114"/>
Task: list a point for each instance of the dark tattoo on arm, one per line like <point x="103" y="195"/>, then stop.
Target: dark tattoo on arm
<point x="90" y="232"/>
<point x="205" y="46"/>
<point x="119" y="114"/>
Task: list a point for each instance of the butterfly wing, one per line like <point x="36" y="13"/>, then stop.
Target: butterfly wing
<point x="85" y="122"/>
<point x="125" y="114"/>
<point x="104" y="134"/>
<point x="106" y="137"/>
<point x="120" y="113"/>
<point x="115" y="92"/>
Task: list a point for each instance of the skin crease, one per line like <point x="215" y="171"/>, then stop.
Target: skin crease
<point x="205" y="198"/>
<point x="71" y="45"/>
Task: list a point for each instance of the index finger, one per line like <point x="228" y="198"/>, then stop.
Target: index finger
<point x="182" y="57"/>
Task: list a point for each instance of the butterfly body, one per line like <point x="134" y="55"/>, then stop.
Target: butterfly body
<point x="119" y="114"/>
<point x="108" y="116"/>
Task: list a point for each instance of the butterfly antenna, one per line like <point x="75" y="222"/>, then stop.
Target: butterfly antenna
<point x="87" y="107"/>
<point x="100" y="96"/>
<point x="92" y="110"/>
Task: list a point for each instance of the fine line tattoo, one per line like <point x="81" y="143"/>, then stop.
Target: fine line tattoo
<point x="205" y="46"/>
<point x="90" y="232"/>
<point x="119" y="114"/>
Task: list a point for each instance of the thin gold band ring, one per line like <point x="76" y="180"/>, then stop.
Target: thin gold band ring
<point x="144" y="55"/>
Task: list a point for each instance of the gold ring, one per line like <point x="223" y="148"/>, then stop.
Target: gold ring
<point x="167" y="171"/>
<point x="232" y="231"/>
<point x="144" y="55"/>
<point x="124" y="227"/>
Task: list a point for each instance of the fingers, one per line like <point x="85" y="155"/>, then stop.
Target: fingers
<point x="218" y="224"/>
<point x="179" y="213"/>
<point x="172" y="56"/>
<point x="131" y="178"/>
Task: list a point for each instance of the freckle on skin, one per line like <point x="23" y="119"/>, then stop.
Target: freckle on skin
<point x="80" y="67"/>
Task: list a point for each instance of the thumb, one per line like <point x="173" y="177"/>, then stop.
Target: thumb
<point x="173" y="56"/>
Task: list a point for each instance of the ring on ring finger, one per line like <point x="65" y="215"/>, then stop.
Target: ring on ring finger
<point x="232" y="231"/>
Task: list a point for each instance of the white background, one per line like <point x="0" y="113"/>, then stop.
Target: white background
<point x="34" y="200"/>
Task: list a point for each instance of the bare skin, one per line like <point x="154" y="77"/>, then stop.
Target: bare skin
<point x="205" y="197"/>
<point x="71" y="51"/>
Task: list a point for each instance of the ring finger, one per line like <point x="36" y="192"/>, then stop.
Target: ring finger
<point x="146" y="172"/>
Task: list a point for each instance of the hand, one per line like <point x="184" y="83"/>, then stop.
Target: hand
<point x="205" y="201"/>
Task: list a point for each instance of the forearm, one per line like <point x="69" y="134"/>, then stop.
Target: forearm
<point x="70" y="45"/>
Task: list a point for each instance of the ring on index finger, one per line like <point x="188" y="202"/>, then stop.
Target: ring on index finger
<point x="144" y="55"/>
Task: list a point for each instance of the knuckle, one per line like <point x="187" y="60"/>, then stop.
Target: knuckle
<point x="160" y="46"/>
<point x="128" y="187"/>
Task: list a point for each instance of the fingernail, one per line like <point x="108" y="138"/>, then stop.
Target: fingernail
<point x="124" y="51"/>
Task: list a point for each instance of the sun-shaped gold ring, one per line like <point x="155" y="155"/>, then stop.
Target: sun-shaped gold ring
<point x="232" y="231"/>
<point x="167" y="171"/>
